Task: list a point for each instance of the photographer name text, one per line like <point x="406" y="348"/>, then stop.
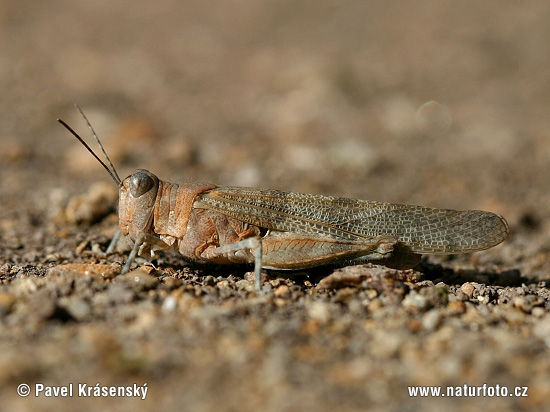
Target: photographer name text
<point x="84" y="390"/>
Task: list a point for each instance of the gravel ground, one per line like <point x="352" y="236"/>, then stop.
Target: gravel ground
<point x="443" y="104"/>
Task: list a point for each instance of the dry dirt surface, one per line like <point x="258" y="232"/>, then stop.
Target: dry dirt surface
<point x="437" y="103"/>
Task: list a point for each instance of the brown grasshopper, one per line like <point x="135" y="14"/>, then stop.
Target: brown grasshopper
<point x="284" y="230"/>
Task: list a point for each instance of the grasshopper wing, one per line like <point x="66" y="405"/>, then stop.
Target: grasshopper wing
<point x="418" y="229"/>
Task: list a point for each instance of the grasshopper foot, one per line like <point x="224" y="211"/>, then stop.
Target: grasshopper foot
<point x="255" y="245"/>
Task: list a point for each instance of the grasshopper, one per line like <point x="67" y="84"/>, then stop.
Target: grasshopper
<point x="284" y="230"/>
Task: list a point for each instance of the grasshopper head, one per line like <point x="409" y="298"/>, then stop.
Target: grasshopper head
<point x="137" y="196"/>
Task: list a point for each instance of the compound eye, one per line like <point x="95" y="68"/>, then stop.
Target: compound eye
<point x="140" y="183"/>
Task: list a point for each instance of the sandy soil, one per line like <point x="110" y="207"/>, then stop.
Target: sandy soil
<point x="438" y="103"/>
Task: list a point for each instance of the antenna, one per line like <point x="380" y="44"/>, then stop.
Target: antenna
<point x="112" y="172"/>
<point x="97" y="140"/>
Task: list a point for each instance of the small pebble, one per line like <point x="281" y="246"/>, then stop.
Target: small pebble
<point x="139" y="279"/>
<point x="97" y="270"/>
<point x="521" y="302"/>
<point x="431" y="319"/>
<point x="538" y="312"/>
<point x="169" y="304"/>
<point x="7" y="300"/>
<point x="468" y="289"/>
<point x="78" y="309"/>
<point x="318" y="311"/>
<point x="414" y="301"/>
<point x="282" y="290"/>
<point x="374" y="305"/>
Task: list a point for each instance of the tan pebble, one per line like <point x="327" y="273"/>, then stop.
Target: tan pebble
<point x="247" y="285"/>
<point x="62" y="233"/>
<point x="542" y="329"/>
<point x="370" y="324"/>
<point x="144" y="321"/>
<point x="7" y="300"/>
<point x="223" y="284"/>
<point x="348" y="276"/>
<point x="169" y="304"/>
<point x="318" y="311"/>
<point x="26" y="285"/>
<point x="140" y="277"/>
<point x="414" y="325"/>
<point x="413" y="276"/>
<point x="415" y="301"/>
<point x="349" y="373"/>
<point x="456" y="307"/>
<point x="371" y="293"/>
<point x="311" y="353"/>
<point x="483" y="299"/>
<point x="374" y="305"/>
<point x="281" y="290"/>
<point x="522" y="303"/>
<point x="41" y="305"/>
<point x="99" y="270"/>
<point x="472" y="315"/>
<point x="538" y="312"/>
<point x="91" y="206"/>
<point x="147" y="269"/>
<point x="468" y="289"/>
<point x="346" y="294"/>
<point x="280" y="302"/>
<point x="81" y="247"/>
<point x="251" y="277"/>
<point x="431" y="319"/>
<point x="514" y="316"/>
<point x="309" y="327"/>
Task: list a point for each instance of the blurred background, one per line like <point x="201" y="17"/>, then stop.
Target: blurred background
<point x="438" y="103"/>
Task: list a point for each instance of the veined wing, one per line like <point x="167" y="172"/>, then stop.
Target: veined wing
<point x="420" y="229"/>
